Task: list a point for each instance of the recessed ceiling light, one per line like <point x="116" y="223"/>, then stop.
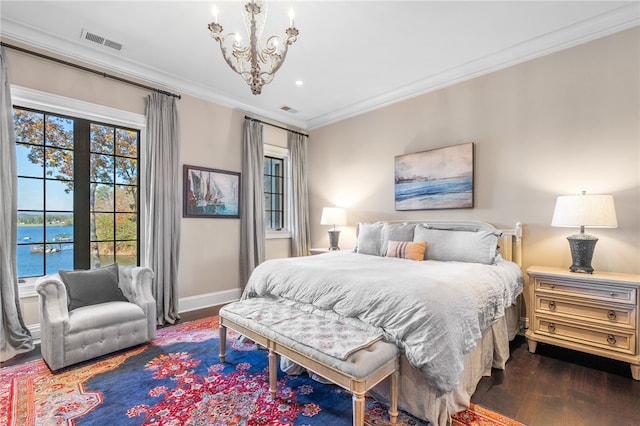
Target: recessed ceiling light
<point x="299" y="82"/>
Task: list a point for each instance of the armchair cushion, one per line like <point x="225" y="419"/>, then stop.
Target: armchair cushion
<point x="103" y="316"/>
<point x="91" y="287"/>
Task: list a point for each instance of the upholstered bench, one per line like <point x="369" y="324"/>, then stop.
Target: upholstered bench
<point x="351" y="358"/>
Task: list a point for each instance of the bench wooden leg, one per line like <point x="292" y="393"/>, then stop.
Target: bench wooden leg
<point x="393" y="409"/>
<point x="358" y="409"/>
<point x="273" y="373"/>
<point x="223" y="342"/>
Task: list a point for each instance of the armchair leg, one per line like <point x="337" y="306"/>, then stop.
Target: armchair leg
<point x="223" y="342"/>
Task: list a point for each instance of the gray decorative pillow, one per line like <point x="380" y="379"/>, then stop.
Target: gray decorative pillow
<point x="91" y="287"/>
<point x="460" y="246"/>
<point x="370" y="239"/>
<point x="398" y="232"/>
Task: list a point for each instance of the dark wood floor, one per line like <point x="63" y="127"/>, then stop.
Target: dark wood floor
<point x="557" y="386"/>
<point x="553" y="387"/>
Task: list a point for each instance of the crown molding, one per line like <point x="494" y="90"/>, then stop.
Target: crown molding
<point x="619" y="19"/>
<point x="77" y="51"/>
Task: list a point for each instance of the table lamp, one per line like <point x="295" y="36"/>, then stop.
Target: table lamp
<point x="333" y="216"/>
<point x="592" y="211"/>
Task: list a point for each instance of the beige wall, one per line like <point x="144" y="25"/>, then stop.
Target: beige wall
<point x="555" y="125"/>
<point x="211" y="136"/>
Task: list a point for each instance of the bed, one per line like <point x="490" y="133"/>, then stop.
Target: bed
<point x="443" y="291"/>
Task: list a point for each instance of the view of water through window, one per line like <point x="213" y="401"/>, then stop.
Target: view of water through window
<point x="58" y="249"/>
<point x="74" y="173"/>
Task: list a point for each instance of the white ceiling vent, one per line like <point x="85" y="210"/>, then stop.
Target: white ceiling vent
<point x="86" y="35"/>
<point x="288" y="109"/>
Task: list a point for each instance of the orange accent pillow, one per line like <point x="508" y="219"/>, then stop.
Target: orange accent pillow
<point x="407" y="249"/>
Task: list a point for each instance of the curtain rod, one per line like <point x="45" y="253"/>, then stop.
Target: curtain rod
<point x="246" y="117"/>
<point x="80" y="67"/>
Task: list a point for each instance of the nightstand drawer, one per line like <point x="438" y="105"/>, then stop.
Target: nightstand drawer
<point x="595" y="313"/>
<point x="621" y="316"/>
<point x="614" y="340"/>
<point x="587" y="291"/>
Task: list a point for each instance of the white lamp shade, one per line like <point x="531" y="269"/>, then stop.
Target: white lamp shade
<point x="592" y="211"/>
<point x="333" y="216"/>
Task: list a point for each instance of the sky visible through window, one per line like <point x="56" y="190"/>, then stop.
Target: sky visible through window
<point x="31" y="191"/>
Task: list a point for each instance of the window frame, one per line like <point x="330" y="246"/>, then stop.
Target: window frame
<point x="23" y="97"/>
<point x="283" y="154"/>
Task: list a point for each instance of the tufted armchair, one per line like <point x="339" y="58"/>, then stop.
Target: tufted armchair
<point x="71" y="336"/>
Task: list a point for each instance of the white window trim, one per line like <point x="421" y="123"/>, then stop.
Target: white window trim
<point x="283" y="153"/>
<point x="43" y="101"/>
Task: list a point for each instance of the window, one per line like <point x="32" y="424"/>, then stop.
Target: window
<point x="78" y="186"/>
<point x="276" y="191"/>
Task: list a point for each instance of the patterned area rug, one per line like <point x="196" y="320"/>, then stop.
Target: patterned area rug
<point x="476" y="415"/>
<point x="178" y="380"/>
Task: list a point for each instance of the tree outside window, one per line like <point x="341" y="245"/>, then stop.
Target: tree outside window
<point x="79" y="175"/>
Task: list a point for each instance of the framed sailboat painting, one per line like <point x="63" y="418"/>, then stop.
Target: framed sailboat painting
<point x="210" y="192"/>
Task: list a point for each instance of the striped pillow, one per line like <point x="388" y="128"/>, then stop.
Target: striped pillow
<point x="407" y="250"/>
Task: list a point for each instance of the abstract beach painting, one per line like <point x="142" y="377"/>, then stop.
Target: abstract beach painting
<point x="437" y="179"/>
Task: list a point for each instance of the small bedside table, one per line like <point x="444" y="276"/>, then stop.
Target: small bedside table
<point x="319" y="251"/>
<point x="595" y="313"/>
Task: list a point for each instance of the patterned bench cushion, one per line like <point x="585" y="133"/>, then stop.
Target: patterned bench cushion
<point x="346" y="348"/>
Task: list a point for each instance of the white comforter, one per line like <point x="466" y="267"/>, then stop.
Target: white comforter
<point x="434" y="311"/>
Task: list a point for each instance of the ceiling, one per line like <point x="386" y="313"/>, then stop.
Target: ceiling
<point x="353" y="56"/>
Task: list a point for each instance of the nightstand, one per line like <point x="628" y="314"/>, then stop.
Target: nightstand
<point x="595" y="313"/>
<point x="319" y="251"/>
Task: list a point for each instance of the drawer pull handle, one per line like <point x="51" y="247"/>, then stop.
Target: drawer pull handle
<point x="612" y="294"/>
<point x="552" y="286"/>
<point x="552" y="306"/>
<point x="552" y="327"/>
<point x="611" y="339"/>
<point x="611" y="315"/>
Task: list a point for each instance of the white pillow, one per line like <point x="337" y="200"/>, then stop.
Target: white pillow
<point x="370" y="239"/>
<point x="460" y="246"/>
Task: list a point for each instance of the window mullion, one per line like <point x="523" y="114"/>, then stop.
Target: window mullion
<point x="81" y="202"/>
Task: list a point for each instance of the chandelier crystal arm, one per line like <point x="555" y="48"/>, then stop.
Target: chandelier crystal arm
<point x="262" y="62"/>
<point x="256" y="83"/>
<point x="220" y="39"/>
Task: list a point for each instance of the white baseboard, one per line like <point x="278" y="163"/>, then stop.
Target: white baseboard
<point x="34" y="329"/>
<point x="185" y="304"/>
<point x="191" y="303"/>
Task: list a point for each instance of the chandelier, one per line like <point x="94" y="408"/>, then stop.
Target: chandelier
<point x="256" y="62"/>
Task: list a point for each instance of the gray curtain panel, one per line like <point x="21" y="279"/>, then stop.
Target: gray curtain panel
<point x="252" y="232"/>
<point x="14" y="335"/>
<point x="299" y="200"/>
<point x="163" y="201"/>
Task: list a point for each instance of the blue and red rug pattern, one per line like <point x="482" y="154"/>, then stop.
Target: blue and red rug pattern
<point x="176" y="380"/>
